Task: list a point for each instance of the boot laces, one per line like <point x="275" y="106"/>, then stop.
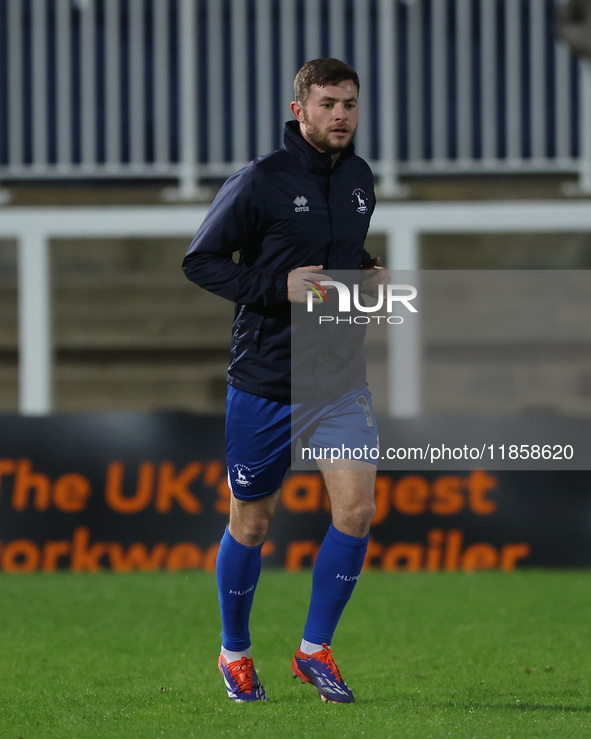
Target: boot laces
<point x="242" y="671"/>
<point x="326" y="658"/>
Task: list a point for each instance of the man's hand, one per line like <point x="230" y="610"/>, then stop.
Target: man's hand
<point x="373" y="275"/>
<point x="298" y="283"/>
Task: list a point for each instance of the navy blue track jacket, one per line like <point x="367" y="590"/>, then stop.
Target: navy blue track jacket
<point x="288" y="209"/>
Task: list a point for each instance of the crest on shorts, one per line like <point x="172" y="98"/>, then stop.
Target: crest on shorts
<point x="240" y="477"/>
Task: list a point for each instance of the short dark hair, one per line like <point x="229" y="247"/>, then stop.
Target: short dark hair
<point x="322" y="72"/>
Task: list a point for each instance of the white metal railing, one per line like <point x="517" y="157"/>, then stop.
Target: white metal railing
<point x="402" y="224"/>
<point x="192" y="89"/>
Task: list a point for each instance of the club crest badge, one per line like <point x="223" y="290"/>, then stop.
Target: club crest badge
<point x="241" y="471"/>
<point x="360" y="200"/>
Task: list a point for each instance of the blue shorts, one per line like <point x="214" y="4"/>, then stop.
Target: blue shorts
<point x="260" y="441"/>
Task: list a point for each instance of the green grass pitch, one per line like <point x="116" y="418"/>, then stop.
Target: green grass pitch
<point x="428" y="655"/>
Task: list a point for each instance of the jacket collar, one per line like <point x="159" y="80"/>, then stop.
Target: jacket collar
<point x="312" y="159"/>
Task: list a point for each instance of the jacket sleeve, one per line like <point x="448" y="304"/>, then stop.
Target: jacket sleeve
<point x="235" y="222"/>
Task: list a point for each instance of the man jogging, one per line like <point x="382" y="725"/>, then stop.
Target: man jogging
<point x="290" y="215"/>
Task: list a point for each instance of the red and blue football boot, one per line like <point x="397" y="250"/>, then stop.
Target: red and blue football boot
<point x="241" y="680"/>
<point x="320" y="669"/>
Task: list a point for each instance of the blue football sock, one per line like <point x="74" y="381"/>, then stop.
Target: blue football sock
<point x="237" y="570"/>
<point x="336" y="572"/>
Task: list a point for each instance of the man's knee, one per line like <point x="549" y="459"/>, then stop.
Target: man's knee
<point x="351" y="489"/>
<point x="359" y="514"/>
<point x="250" y="520"/>
<point x="249" y="531"/>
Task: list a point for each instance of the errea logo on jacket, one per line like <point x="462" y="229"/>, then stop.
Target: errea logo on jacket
<point x="301" y="204"/>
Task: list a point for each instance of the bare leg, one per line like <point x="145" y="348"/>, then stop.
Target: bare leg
<point x="249" y="520"/>
<point x="351" y="489"/>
